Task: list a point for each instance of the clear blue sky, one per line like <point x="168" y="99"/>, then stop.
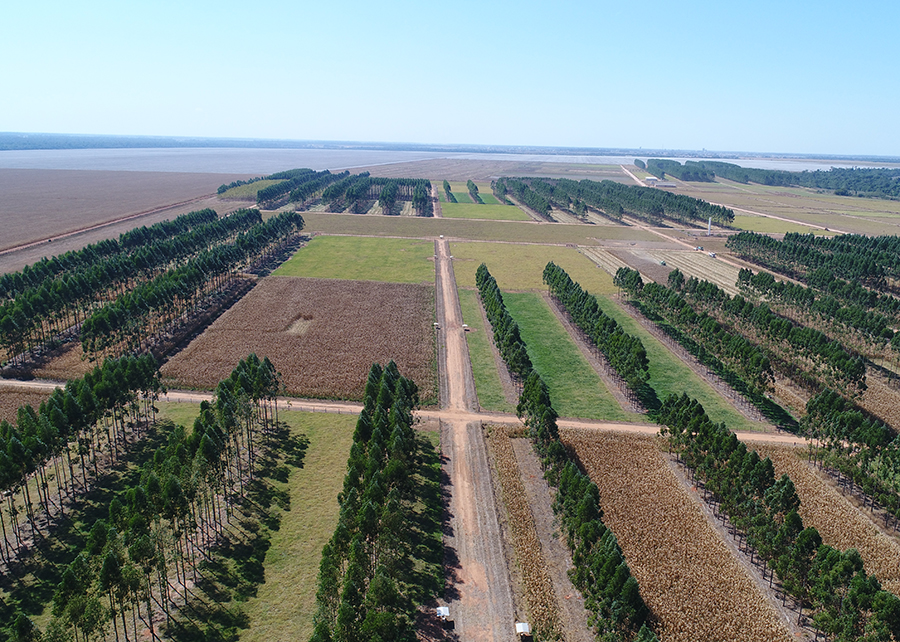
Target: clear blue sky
<point x="782" y="76"/>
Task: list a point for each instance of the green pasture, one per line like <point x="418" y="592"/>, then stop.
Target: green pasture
<point x="670" y="375"/>
<point x="462" y="196"/>
<point x="363" y="259"/>
<point x="476" y="230"/>
<point x="489" y="212"/>
<point x="521" y="267"/>
<point x="248" y="191"/>
<point x="488" y="198"/>
<point x="484" y="365"/>
<point x="284" y="606"/>
<point x="575" y="388"/>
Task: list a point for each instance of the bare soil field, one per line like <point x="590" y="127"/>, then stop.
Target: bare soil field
<point x="687" y="575"/>
<point x="38" y="204"/>
<point x="840" y="523"/>
<point x="323" y="336"/>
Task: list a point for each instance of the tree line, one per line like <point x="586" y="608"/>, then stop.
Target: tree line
<point x="448" y="193"/>
<point x="369" y="586"/>
<point x="601" y="573"/>
<point x="625" y="353"/>
<point x="845" y="603"/>
<point x="473" y="192"/>
<point x="506" y="331"/>
<point x="690" y="171"/>
<point x="41" y="312"/>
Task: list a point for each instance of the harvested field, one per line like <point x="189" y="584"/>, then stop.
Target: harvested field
<point x="838" y="521"/>
<point x="699" y="265"/>
<point x="322" y="334"/>
<point x="604" y="259"/>
<point x="38" y="204"/>
<point x="687" y="575"/>
<point x="881" y="397"/>
<point x="11" y="398"/>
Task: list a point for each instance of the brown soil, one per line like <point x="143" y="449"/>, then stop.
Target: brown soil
<point x="13" y="397"/>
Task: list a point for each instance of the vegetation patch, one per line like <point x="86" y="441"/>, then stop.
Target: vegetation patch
<point x="351" y="325"/>
<point x="574" y="386"/>
<point x="481" y="355"/>
<point x="363" y="259"/>
<point x="464" y="209"/>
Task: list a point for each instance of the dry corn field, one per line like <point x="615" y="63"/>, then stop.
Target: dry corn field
<point x="322" y="335"/>
<point x="539" y="593"/>
<point x="838" y="521"/>
<point x="700" y="265"/>
<point x="11" y="398"/>
<point x="687" y="575"/>
<point x="604" y="259"/>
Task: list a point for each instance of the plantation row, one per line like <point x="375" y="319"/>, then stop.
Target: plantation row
<point x="449" y="193"/>
<point x="98" y="273"/>
<point x="625" y="353"/>
<point x="70" y="425"/>
<point x="294" y="183"/>
<point x="602" y="574"/>
<point x="473" y="192"/>
<point x="170" y="517"/>
<point x="506" y="331"/>
<point x="369" y="588"/>
<point x="818" y="260"/>
<point x="844" y="181"/>
<point x="845" y="603"/>
<point x="826" y="361"/>
<point x="611" y="199"/>
<point x="134" y="318"/>
<point x="873" y="326"/>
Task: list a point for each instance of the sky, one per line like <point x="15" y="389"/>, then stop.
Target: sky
<point x="786" y="76"/>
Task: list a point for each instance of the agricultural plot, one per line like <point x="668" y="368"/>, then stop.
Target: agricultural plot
<point x="838" y="521"/>
<point x="487" y="212"/>
<point x="766" y="225"/>
<point x="475" y="230"/>
<point x="481" y="355"/>
<point x="363" y="259"/>
<point x="604" y="259"/>
<point x="699" y="265"/>
<point x="12" y="398"/>
<point x="323" y="335"/>
<point x="688" y="577"/>
<point x="575" y="388"/>
<point x="247" y="192"/>
<point x="670" y="375"/>
<point x="521" y="266"/>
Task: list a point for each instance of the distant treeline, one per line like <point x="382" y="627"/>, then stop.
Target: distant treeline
<point x="879" y="182"/>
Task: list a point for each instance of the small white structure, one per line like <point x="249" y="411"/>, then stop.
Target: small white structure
<point x="522" y="628"/>
<point x="712" y="254"/>
<point x="443" y="612"/>
<point x="651" y="180"/>
<point x="666" y="184"/>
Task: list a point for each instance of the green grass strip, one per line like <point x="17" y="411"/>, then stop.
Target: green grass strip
<point x="670" y="375"/>
<point x="487" y="212"/>
<point x="363" y="259"/>
<point x="484" y="365"/>
<point x="575" y="388"/>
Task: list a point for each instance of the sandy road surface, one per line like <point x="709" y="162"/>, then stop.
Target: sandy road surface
<point x="635" y="178"/>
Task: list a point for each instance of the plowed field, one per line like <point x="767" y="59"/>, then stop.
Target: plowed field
<point x="687" y="575"/>
<point x="322" y="334"/>
<point x="838" y="521"/>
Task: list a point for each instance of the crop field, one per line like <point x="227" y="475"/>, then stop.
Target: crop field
<point x="604" y="259"/>
<point x="670" y="375"/>
<point x="248" y="191"/>
<point x="323" y="335"/>
<point x="475" y="230"/>
<point x="38" y="204"/>
<point x="363" y="259"/>
<point x="699" y="265"/>
<point x="838" y="521"/>
<point x="481" y="354"/>
<point x="687" y="575"/>
<point x="488" y="212"/>
<point x="575" y="388"/>
<point x="764" y="224"/>
<point x="11" y="398"/>
<point x="521" y="267"/>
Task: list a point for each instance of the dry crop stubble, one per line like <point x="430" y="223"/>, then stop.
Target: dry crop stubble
<point x="322" y="334"/>
<point x="12" y="398"/>
<point x="539" y="593"/>
<point x="687" y="575"/>
<point x="838" y="521"/>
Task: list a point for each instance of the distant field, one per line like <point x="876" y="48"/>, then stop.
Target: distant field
<point x="248" y="191"/>
<point x="521" y="267"/>
<point x="490" y="212"/>
<point x="322" y="334"/>
<point x="575" y="388"/>
<point x="462" y="196"/>
<point x="484" y="364"/>
<point x="363" y="259"/>
<point x="514" y="231"/>
<point x="670" y="375"/>
<point x="753" y="223"/>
